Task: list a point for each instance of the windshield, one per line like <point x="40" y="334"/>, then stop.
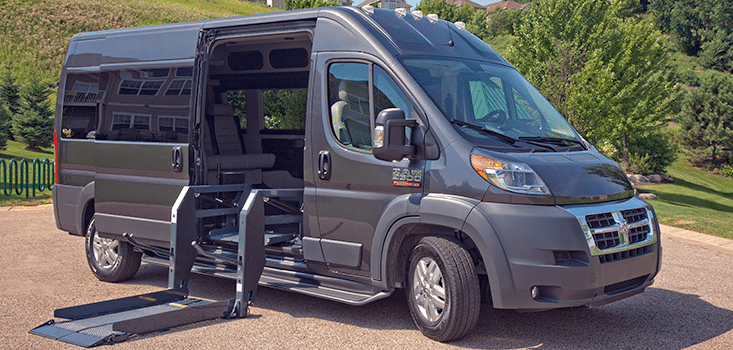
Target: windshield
<point x="478" y="96"/>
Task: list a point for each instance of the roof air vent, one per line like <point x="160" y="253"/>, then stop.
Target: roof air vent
<point x="433" y="18"/>
<point x="369" y="9"/>
<point x="417" y="15"/>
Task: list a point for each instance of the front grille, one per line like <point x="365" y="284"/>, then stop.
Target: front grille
<point x="617" y="230"/>
<point x="638" y="234"/>
<point x="599" y="220"/>
<point x="624" y="285"/>
<point x="634" y="215"/>
<point x="614" y="229"/>
<point x="626" y="254"/>
<point x="607" y="240"/>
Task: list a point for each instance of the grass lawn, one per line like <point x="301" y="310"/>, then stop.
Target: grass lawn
<point x="697" y="200"/>
<point x="17" y="150"/>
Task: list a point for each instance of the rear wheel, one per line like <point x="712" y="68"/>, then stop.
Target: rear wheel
<point x="443" y="289"/>
<point x="109" y="259"/>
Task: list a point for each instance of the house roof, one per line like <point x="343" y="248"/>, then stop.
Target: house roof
<point x="506" y="5"/>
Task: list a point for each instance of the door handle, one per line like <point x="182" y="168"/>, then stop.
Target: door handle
<point x="177" y="159"/>
<point x="324" y="165"/>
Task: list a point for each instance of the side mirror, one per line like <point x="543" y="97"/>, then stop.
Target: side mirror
<point x="389" y="135"/>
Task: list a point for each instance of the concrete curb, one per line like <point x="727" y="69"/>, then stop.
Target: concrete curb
<point x="27" y="208"/>
<point x="718" y="244"/>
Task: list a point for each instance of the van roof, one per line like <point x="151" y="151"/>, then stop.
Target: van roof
<point x="338" y="29"/>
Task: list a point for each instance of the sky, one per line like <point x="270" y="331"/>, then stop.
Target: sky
<point x="480" y="2"/>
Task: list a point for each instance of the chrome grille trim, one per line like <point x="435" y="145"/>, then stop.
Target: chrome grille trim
<point x="616" y="227"/>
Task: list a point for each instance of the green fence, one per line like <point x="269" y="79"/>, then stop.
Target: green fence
<point x="26" y="175"/>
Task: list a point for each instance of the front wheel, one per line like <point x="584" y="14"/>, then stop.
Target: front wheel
<point x="443" y="289"/>
<point x="109" y="259"/>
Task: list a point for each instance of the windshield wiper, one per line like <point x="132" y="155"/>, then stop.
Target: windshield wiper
<point x="559" y="141"/>
<point x="507" y="139"/>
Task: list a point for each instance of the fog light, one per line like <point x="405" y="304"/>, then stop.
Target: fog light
<point x="535" y="292"/>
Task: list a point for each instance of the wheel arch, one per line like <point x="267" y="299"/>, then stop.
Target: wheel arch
<point x="438" y="215"/>
<point x="85" y="208"/>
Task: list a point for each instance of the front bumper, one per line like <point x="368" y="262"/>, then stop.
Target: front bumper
<point x="572" y="255"/>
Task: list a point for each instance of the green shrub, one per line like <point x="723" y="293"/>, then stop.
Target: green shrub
<point x="727" y="170"/>
<point x="649" y="153"/>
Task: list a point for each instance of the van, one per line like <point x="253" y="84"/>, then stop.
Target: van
<point x="390" y="149"/>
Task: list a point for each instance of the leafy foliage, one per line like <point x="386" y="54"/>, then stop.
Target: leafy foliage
<point x="607" y="75"/>
<point x="502" y="22"/>
<point x="499" y="22"/>
<point x="285" y="109"/>
<point x="699" y="27"/>
<point x="706" y="119"/>
<point x="305" y="4"/>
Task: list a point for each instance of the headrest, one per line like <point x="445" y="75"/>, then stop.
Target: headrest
<point x="219" y="109"/>
<point x="358" y="89"/>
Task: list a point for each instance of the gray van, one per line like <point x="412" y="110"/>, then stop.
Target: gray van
<point x="392" y="150"/>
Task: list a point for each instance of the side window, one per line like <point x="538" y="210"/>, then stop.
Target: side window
<point x="146" y="105"/>
<point x="388" y="94"/>
<point x="349" y="98"/>
<point x="79" y="116"/>
<point x="285" y="109"/>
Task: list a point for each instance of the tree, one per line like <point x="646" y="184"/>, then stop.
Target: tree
<point x="285" y="109"/>
<point x="438" y="7"/>
<point x="9" y="92"/>
<point x="33" y="125"/>
<point x="698" y="27"/>
<point x="718" y="54"/>
<point x="305" y="4"/>
<point x="4" y="126"/>
<point x="502" y="22"/>
<point x="706" y="119"/>
<point x="607" y="75"/>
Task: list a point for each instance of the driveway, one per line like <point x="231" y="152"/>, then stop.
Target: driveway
<point x="42" y="269"/>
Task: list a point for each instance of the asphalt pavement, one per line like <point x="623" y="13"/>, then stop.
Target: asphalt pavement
<point x="688" y="306"/>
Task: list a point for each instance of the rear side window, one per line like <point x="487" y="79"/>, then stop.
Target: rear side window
<point x="79" y="115"/>
<point x="146" y="105"/>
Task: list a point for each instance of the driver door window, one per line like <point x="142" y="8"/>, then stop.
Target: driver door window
<point x="354" y="108"/>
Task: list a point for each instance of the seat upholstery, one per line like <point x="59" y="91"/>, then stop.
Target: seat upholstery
<point x="350" y="115"/>
<point x="225" y="151"/>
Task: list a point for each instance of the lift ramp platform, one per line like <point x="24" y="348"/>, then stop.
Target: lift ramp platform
<point x="114" y="321"/>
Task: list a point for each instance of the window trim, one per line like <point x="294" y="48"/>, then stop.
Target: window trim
<point x="132" y="120"/>
<point x="174" y="118"/>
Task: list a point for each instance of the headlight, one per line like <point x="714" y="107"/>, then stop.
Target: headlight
<point x="511" y="176"/>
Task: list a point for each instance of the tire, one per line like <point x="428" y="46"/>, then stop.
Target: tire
<point x="443" y="289"/>
<point x="109" y="259"/>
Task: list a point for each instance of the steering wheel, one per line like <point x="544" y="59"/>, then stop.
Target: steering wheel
<point x="497" y="116"/>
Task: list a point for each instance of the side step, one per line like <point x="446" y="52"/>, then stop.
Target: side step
<point x="330" y="288"/>
<point x="116" y="320"/>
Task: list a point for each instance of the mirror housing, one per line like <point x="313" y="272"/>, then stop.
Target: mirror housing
<point x="389" y="135"/>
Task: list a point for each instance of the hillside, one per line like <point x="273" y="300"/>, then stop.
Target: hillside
<point x="35" y="34"/>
